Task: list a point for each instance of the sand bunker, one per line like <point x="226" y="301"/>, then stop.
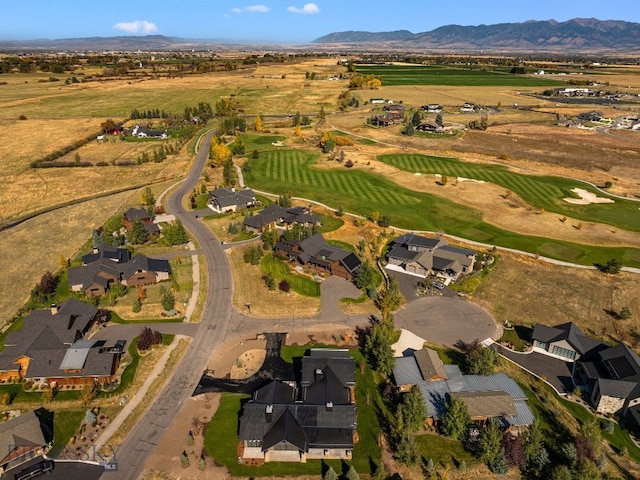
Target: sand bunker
<point x="586" y="198"/>
<point x="459" y="179"/>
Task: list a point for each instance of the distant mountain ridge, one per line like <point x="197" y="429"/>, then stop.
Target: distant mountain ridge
<point x="578" y="34"/>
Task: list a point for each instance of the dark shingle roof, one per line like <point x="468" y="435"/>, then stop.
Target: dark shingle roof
<point x="19" y="433"/>
<point x="286" y="429"/>
<point x="134" y="214"/>
<point x="274" y="392"/>
<point x="571" y="333"/>
<point x="340" y="362"/>
<point x="327" y="388"/>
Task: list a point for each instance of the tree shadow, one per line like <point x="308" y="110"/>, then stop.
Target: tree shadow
<point x="612" y="313"/>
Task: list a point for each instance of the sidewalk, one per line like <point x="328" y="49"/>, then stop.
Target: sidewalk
<point x="117" y="422"/>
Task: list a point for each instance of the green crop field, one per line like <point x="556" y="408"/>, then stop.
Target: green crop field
<point x="363" y="193"/>
<point x="539" y="192"/>
<point x="394" y="75"/>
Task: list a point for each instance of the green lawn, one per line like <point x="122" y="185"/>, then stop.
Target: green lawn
<point x="445" y="452"/>
<point x="330" y="223"/>
<point x="281" y="271"/>
<point x="393" y="75"/>
<point x="542" y="192"/>
<point x="362" y="193"/>
<point x="65" y="425"/>
<point x="260" y="142"/>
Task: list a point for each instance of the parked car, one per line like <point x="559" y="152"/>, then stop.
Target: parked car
<point x="439" y="285"/>
<point x="34" y="470"/>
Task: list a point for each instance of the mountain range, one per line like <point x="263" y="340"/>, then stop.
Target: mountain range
<point x="578" y="34"/>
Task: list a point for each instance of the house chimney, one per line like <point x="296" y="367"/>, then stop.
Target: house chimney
<point x="54" y="309"/>
<point x="329" y="406"/>
<point x="318" y="373"/>
<point x="268" y="412"/>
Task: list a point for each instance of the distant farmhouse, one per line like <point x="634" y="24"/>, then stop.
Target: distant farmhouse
<point x="432" y="108"/>
<point x="51" y="348"/>
<point x="423" y="256"/>
<point x="142" y="132"/>
<point x="223" y="200"/>
<point x="316" y="254"/>
<point x="108" y="265"/>
<point x="608" y="375"/>
<point x="486" y="396"/>
<point x="275" y="216"/>
<point x="394" y="115"/>
<point x="315" y="419"/>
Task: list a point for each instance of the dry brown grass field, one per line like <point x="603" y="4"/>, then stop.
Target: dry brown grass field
<point x="31" y="248"/>
<point x="524" y="292"/>
<point x="250" y="288"/>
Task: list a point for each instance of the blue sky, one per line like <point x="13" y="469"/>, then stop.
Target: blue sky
<point x="295" y="21"/>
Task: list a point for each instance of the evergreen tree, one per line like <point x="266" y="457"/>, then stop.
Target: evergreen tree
<point x="416" y="119"/>
<point x="138" y="233"/>
<point x="490" y="441"/>
<point x="168" y="299"/>
<point x="352" y="474"/>
<point x="414" y="409"/>
<point x="456" y="419"/>
<point x="500" y="465"/>
<point x="330" y="474"/>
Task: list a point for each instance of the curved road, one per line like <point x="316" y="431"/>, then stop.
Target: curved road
<point x="208" y="335"/>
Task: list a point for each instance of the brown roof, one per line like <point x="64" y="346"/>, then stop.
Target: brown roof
<point x="430" y="365"/>
<point x="487" y="404"/>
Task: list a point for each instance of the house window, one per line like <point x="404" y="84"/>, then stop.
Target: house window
<point x="542" y="345"/>
<point x="254" y="443"/>
<point x="564" y="352"/>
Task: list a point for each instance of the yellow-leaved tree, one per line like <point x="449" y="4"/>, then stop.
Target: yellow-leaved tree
<point x="219" y="153"/>
<point x="258" y="123"/>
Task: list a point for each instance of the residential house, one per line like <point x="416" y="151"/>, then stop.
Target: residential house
<point x="486" y="396"/>
<point x="108" y="265"/>
<point x="22" y="439"/>
<point x="424" y="256"/>
<point x="468" y="107"/>
<point x="430" y="127"/>
<point x="51" y="348"/>
<point x="134" y="214"/>
<point x="223" y="200"/>
<point x="142" y="132"/>
<point x="566" y="342"/>
<point x="316" y="254"/>
<point x="315" y="419"/>
<point x="432" y="108"/>
<point x="276" y="216"/>
<point x="592" y="116"/>
<point x="609" y="376"/>
<point x="383" y="120"/>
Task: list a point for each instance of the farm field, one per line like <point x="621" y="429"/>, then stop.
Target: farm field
<point x="363" y="193"/>
<point x="450" y="75"/>
<point x="540" y="192"/>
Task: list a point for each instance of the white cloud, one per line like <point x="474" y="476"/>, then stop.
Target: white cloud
<point x="308" y="8"/>
<point x="138" y="26"/>
<point x="250" y="9"/>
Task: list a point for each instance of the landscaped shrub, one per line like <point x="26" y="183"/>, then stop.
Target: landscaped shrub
<point x="285" y="286"/>
<point x="148" y="338"/>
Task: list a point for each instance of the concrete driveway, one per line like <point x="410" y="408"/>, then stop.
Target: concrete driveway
<point x="445" y="320"/>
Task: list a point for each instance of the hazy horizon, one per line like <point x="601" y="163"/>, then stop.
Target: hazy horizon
<point x="278" y="21"/>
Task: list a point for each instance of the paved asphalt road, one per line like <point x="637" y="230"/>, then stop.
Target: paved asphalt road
<point x="208" y="335"/>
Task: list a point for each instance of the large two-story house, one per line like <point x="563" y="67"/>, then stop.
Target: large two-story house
<point x="52" y="348"/>
<point x="108" y="265"/>
<point x="316" y="254"/>
<point x="314" y="419"/>
<point x="276" y="216"/>
<point x="609" y="376"/>
<point x="423" y="256"/>
<point x="223" y="200"/>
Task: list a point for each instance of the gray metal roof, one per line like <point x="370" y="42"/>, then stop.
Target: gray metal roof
<point x="456" y="380"/>
<point x="76" y="355"/>
<point x="406" y="371"/>
<point x="435" y="396"/>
